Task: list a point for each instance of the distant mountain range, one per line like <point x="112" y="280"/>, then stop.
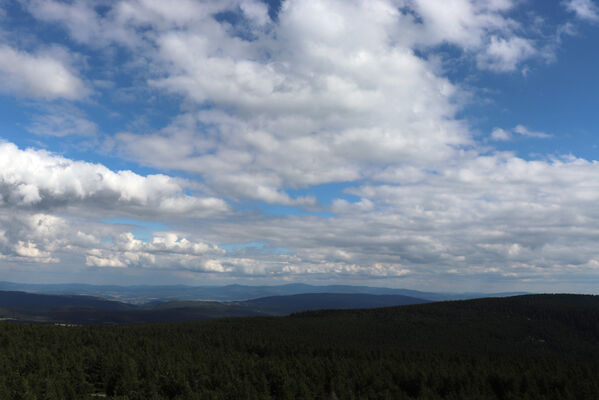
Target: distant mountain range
<point x="74" y="309"/>
<point x="89" y="304"/>
<point x="145" y="294"/>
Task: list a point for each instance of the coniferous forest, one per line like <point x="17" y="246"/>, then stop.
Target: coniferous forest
<point x="524" y="347"/>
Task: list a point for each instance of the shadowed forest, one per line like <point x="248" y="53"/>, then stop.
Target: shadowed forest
<point x="524" y="347"/>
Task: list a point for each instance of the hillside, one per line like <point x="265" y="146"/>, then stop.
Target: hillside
<point x="145" y="293"/>
<point x="22" y="300"/>
<point x="524" y="347"/>
<point x="284" y="305"/>
<point x="80" y="310"/>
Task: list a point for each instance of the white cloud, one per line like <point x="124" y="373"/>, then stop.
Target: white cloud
<point x="584" y="9"/>
<point x="45" y="238"/>
<point x="346" y="97"/>
<point x="32" y="238"/>
<point x="82" y="22"/>
<point x="351" y="101"/>
<point x="466" y="23"/>
<point x="255" y="11"/>
<point x="505" y="54"/>
<point x="524" y="131"/>
<point x="500" y="211"/>
<point x="38" y="179"/>
<point x="120" y="23"/>
<point x="165" y="250"/>
<point x="30" y="250"/>
<point x="38" y="75"/>
<point x="500" y="134"/>
<point x="497" y="216"/>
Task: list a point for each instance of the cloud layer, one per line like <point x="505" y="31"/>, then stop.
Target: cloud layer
<point x="35" y="179"/>
<point x="274" y="106"/>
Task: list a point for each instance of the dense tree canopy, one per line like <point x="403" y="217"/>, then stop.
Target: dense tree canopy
<point x="524" y="347"/>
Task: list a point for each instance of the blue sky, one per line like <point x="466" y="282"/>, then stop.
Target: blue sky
<point x="438" y="145"/>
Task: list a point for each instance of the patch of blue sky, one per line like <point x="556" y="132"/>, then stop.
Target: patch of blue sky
<point x="237" y="24"/>
<point x="558" y="98"/>
<point x="327" y="192"/>
<point x="12" y="116"/>
<point x="126" y="103"/>
<point x="242" y="246"/>
<point x="236" y="19"/>
<point x="233" y="17"/>
<point x="16" y="120"/>
<point x="278" y="210"/>
<point x="18" y="20"/>
<point x="324" y="194"/>
<point x="273" y="8"/>
<point x="17" y="116"/>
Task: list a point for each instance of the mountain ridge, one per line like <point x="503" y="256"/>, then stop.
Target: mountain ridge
<point x="74" y="309"/>
<point x="140" y="294"/>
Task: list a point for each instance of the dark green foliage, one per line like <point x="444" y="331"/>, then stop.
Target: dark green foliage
<point x="527" y="347"/>
<point x="24" y="300"/>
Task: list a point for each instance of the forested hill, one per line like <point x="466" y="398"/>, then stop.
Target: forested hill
<point x="525" y="347"/>
<point x="145" y="294"/>
<point x="22" y="300"/>
<point x="67" y="309"/>
<point x="317" y="301"/>
<point x="563" y="325"/>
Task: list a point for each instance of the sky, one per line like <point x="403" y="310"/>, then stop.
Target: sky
<point x="445" y="145"/>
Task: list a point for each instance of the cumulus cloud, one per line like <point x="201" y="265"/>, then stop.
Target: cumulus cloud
<point x="45" y="238"/>
<point x="165" y="250"/>
<point x="40" y="180"/>
<point x="499" y="211"/>
<point x="466" y="23"/>
<point x="350" y="99"/>
<point x="506" y="54"/>
<point x="501" y="135"/>
<point x="38" y="75"/>
<point x="584" y="9"/>
<point x="495" y="217"/>
<point x="33" y="238"/>
<point x="346" y="97"/>
<point x="255" y="11"/>
<point x="120" y="23"/>
<point x="81" y="21"/>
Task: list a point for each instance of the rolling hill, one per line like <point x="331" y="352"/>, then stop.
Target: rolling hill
<point x="523" y="347"/>
<point x="144" y="293"/>
<point x="71" y="309"/>
<point x="284" y="305"/>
